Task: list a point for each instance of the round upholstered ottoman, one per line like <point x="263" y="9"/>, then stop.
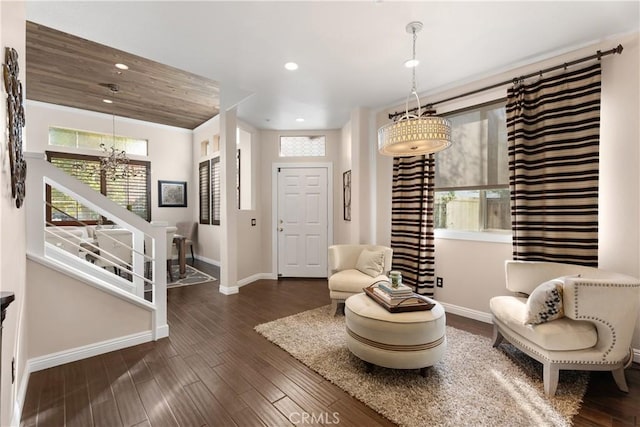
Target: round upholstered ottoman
<point x="412" y="340"/>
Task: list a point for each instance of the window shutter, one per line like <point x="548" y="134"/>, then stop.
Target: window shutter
<point x="62" y="208"/>
<point x="205" y="199"/>
<point x="136" y="190"/>
<point x="133" y="191"/>
<point x="215" y="191"/>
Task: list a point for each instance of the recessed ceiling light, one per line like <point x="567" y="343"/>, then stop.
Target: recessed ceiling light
<point x="122" y="66"/>
<point x="107" y="101"/>
<point x="299" y="119"/>
<point x="291" y="66"/>
<point x="411" y="63"/>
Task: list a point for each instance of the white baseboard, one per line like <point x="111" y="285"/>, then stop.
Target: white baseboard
<point x="208" y="260"/>
<point x="467" y="312"/>
<point x="162" y="332"/>
<point x="84" y="352"/>
<point x="259" y="276"/>
<point x="19" y="402"/>
<point x="228" y="290"/>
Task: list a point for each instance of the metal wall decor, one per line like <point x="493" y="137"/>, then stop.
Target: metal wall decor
<point x="16" y="121"/>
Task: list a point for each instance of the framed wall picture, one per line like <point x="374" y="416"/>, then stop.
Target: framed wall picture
<point x="346" y="193"/>
<point x="172" y="194"/>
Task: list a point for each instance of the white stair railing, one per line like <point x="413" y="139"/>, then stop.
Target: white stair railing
<point x="136" y="251"/>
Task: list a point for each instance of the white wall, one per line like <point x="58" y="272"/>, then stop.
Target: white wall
<point x="207" y="243"/>
<point x="65" y="313"/>
<point x="343" y="229"/>
<point x="12" y="228"/>
<point x="619" y="203"/>
<point x="169" y="147"/>
<point x="246" y="171"/>
<point x="473" y="271"/>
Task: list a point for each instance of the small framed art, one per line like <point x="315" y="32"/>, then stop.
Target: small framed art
<point x="172" y="194"/>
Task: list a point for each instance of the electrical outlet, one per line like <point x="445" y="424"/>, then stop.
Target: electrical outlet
<point x="253" y="222"/>
<point x="439" y="282"/>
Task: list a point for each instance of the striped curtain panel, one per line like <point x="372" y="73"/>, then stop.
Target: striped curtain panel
<point x="412" y="221"/>
<point x="553" y="137"/>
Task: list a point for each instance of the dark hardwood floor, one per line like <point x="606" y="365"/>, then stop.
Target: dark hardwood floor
<point x="215" y="370"/>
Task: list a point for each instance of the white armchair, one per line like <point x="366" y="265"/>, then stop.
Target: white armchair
<point x="595" y="333"/>
<point x="345" y="279"/>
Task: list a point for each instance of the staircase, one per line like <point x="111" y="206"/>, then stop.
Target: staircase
<point x="124" y="257"/>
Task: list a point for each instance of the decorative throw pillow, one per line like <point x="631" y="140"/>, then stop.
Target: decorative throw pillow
<point x="371" y="262"/>
<point x="545" y="302"/>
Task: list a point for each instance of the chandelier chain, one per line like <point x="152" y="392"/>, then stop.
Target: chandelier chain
<point x="413" y="57"/>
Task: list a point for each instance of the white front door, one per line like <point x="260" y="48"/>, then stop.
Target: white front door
<point x="302" y="222"/>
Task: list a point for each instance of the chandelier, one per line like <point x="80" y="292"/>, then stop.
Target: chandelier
<point x="414" y="134"/>
<point x="114" y="163"/>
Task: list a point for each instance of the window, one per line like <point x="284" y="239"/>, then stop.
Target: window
<point x="472" y="176"/>
<point x="302" y="146"/>
<point x="61" y="137"/>
<point x="132" y="192"/>
<point x="215" y="191"/>
<point x="204" y="182"/>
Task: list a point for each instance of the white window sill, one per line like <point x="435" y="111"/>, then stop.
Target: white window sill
<point x="478" y="236"/>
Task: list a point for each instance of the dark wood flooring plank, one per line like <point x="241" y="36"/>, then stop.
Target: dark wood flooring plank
<point x="157" y="408"/>
<point x="209" y="353"/>
<point x="257" y="381"/>
<point x="268" y="413"/>
<point x="51" y="403"/>
<point x="78" y="408"/>
<point x="305" y="400"/>
<point x="227" y="397"/>
<point x="247" y="418"/>
<point x="356" y="415"/>
<point x="182" y="407"/>
<point x="134" y="359"/>
<point x="97" y="381"/>
<point x="32" y="397"/>
<point x="208" y="406"/>
<point x="233" y="377"/>
<point x="181" y="370"/>
<point x="51" y="414"/>
<point x="74" y="377"/>
<point x="125" y="393"/>
<point x="297" y="415"/>
<point x="106" y="414"/>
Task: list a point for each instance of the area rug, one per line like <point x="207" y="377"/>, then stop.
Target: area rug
<point x="474" y="385"/>
<point x="192" y="277"/>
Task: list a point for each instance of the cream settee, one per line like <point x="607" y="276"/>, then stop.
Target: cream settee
<point x="595" y="332"/>
<point x="345" y="279"/>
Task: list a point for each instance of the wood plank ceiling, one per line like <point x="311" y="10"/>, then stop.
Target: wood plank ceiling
<point x="67" y="70"/>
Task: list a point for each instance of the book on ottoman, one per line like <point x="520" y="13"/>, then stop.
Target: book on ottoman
<point x="397" y="303"/>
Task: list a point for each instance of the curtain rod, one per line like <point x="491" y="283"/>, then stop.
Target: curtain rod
<point x="598" y="55"/>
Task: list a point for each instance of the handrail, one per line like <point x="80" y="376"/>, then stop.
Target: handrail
<point x="42" y="173"/>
